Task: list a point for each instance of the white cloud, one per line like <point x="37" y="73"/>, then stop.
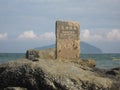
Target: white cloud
<point x="3" y="36"/>
<point x="87" y="36"/>
<point x="31" y="35"/>
<point x="113" y="35"/>
<point x="28" y="35"/>
<point x="48" y="36"/>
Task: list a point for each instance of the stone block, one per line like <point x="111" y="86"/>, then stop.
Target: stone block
<point x="67" y="40"/>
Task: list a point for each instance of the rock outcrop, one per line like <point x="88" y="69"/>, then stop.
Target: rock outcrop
<point x="49" y="54"/>
<point x="42" y="54"/>
<point x="55" y="75"/>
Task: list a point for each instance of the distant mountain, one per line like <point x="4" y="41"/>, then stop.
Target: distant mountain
<point x="85" y="48"/>
<point x="45" y="47"/>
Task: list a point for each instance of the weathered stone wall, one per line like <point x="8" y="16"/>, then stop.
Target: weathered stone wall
<point x="67" y="40"/>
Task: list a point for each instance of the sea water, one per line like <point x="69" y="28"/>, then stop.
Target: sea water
<point x="5" y="57"/>
<point x="102" y="60"/>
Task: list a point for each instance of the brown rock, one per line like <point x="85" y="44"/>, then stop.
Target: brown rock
<point x="67" y="40"/>
<point x="53" y="75"/>
<point x="40" y="54"/>
<point x="88" y="63"/>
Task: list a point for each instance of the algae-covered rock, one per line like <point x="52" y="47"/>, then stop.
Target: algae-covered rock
<point x="53" y="75"/>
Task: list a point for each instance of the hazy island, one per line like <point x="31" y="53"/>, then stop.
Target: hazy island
<point x="85" y="48"/>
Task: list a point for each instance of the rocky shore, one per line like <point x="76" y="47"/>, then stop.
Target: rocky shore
<point x="45" y="74"/>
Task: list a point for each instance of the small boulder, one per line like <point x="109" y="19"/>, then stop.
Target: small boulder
<point x="114" y="72"/>
<point x="87" y="62"/>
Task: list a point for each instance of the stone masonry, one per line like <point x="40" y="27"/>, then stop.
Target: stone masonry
<point x="67" y="40"/>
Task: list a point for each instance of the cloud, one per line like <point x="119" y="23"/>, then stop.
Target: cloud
<point x="3" y="36"/>
<point x="28" y="35"/>
<point x="86" y="36"/>
<point x="31" y="35"/>
<point x="113" y="35"/>
<point x="48" y="36"/>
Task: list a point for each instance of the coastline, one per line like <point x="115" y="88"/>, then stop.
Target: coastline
<point x="102" y="60"/>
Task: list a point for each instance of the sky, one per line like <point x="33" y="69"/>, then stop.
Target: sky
<point x="26" y="24"/>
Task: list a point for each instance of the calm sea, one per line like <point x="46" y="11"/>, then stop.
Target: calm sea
<point x="5" y="57"/>
<point x="102" y="60"/>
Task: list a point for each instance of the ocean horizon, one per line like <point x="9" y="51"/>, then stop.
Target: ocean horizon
<point x="104" y="60"/>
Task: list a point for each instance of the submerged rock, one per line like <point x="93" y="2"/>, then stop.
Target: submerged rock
<point x="54" y="75"/>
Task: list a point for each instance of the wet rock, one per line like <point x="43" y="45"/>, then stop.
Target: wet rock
<point x="114" y="71"/>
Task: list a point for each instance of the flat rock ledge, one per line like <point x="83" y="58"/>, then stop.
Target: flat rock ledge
<point x="55" y="75"/>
